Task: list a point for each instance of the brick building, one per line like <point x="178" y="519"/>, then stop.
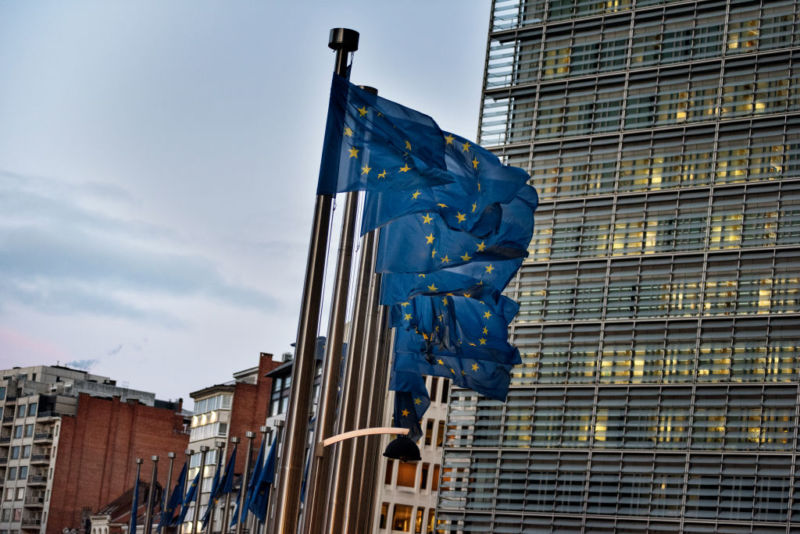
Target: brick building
<point x="68" y="444"/>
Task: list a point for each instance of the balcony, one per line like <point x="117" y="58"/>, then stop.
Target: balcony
<point x="40" y="458"/>
<point x="42" y="436"/>
<point x="37" y="480"/>
<point x="7" y="419"/>
<point x="31" y="523"/>
<point x="5" y="439"/>
<point x="34" y="502"/>
<point x="3" y="460"/>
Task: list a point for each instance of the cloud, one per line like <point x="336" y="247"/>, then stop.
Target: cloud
<point x="82" y="364"/>
<point x="63" y="251"/>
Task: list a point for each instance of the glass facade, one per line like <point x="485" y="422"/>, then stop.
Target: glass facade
<point x="660" y="305"/>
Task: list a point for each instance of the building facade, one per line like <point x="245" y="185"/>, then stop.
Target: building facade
<point x="405" y="500"/>
<point x="221" y="412"/>
<point x="68" y="444"/>
<point x="660" y="305"/>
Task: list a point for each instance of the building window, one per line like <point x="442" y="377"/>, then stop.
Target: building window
<point x="401" y="519"/>
<point x="21" y="410"/>
<point x="23" y="472"/>
<point x="384" y="513"/>
<point x="12" y="475"/>
<point x="387" y="477"/>
<point x="18" y="431"/>
<point x="2" y="392"/>
<point x="20" y="493"/>
<point x="418" y="521"/>
<point x="445" y="390"/>
<point x="32" y="407"/>
<point x="428" y="432"/>
<point x="9" y="494"/>
<point x="406" y="474"/>
<point x="431" y="516"/>
<point x="423" y="479"/>
<point x="440" y="434"/>
<point x="15" y="452"/>
<point x="29" y="430"/>
<point x="17" y="514"/>
<point x="5" y="516"/>
<point x="26" y="451"/>
<point x="435" y="481"/>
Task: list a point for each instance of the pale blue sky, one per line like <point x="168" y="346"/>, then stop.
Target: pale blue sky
<point x="158" y="162"/>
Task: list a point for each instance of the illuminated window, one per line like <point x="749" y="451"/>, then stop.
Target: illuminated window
<point x="401" y="518"/>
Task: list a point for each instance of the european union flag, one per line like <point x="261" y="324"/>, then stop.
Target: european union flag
<point x="187" y="499"/>
<point x="411" y="400"/>
<point x="135" y="504"/>
<point x="477" y="279"/>
<point x="457" y="326"/>
<point x="175" y="498"/>
<point x="424" y="242"/>
<point x="480" y="180"/>
<point x="266" y="476"/>
<point x="220" y="486"/>
<point x="486" y="377"/>
<point x="375" y="144"/>
<point x="251" y="484"/>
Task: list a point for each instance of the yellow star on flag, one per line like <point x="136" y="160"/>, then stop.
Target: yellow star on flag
<point x="417" y="401"/>
<point x="481" y="246"/>
<point x="382" y="175"/>
<point x="482" y="341"/>
<point x="433" y="287"/>
<point x="449" y="139"/>
<point x="485" y="330"/>
<point x="365" y="169"/>
<point x="465" y="147"/>
<point x="405" y="304"/>
<point x="405" y="168"/>
<point x="466" y="257"/>
<point x="415" y="194"/>
<point x="429" y="238"/>
<point x="407" y="317"/>
<point x="433" y="253"/>
<point x="461" y="217"/>
<point x="475" y="367"/>
<point x="408" y="144"/>
<point x="445" y="259"/>
<point x="353" y="152"/>
<point x="489" y="268"/>
<point x="405" y="413"/>
<point x="348" y="131"/>
<point x="452" y="370"/>
<point x="362" y="111"/>
<point x="426" y="219"/>
<point x="474" y="207"/>
<point x="475" y="162"/>
<point x="487" y="314"/>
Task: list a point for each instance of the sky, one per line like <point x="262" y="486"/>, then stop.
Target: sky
<point x="158" y="162"/>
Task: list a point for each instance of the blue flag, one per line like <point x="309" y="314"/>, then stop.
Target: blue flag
<point x="375" y="144"/>
<point x="486" y="377"/>
<point x="172" y="501"/>
<point x="476" y="279"/>
<point x="425" y="242"/>
<point x="253" y="481"/>
<point x="260" y="497"/>
<point x="226" y="486"/>
<point x="479" y="180"/>
<point x="411" y="400"/>
<point x="457" y="326"/>
<point x="187" y="499"/>
<point x="135" y="504"/>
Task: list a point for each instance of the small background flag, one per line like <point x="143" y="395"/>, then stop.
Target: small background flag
<point x="260" y="498"/>
<point x="173" y="500"/>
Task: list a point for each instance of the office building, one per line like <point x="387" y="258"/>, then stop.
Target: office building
<point x="660" y="313"/>
<point x="68" y="444"/>
<point x="221" y="412"/>
<point x="406" y="491"/>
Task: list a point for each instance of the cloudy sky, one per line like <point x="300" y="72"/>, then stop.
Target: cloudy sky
<point x="158" y="163"/>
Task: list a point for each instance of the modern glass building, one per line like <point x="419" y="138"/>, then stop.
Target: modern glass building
<point x="660" y="319"/>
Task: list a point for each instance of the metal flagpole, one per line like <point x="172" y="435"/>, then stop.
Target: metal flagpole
<point x="375" y="406"/>
<point x="196" y="515"/>
<point x="148" y="516"/>
<point x="132" y="521"/>
<point x="227" y="509"/>
<point x="188" y="453"/>
<point x="353" y="368"/>
<point x="287" y="503"/>
<point x="211" y="503"/>
<point x="165" y="495"/>
<point x="256" y="525"/>
<point x="243" y="489"/>
<point x="363" y="390"/>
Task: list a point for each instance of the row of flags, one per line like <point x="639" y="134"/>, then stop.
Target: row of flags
<point x="455" y="227"/>
<point x="252" y="499"/>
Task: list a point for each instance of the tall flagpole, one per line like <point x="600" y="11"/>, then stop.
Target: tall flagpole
<point x="363" y="390"/>
<point x="199" y="494"/>
<point x="188" y="453"/>
<point x="226" y="510"/>
<point x="287" y="502"/>
<point x="135" y="505"/>
<point x="166" y="493"/>
<point x="148" y="517"/>
<point x="243" y="489"/>
<point x="375" y="406"/>
<point x="352" y="376"/>
<point x="211" y="503"/>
